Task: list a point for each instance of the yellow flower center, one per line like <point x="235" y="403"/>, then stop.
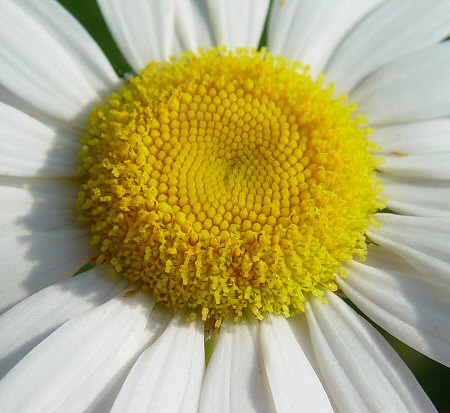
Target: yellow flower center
<point x="228" y="183"/>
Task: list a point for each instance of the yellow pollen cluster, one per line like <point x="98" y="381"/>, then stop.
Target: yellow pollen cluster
<point x="228" y="183"/>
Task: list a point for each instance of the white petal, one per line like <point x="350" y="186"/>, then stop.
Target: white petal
<point x="36" y="205"/>
<point x="362" y="371"/>
<point x="29" y="322"/>
<point x="412" y="308"/>
<point x="412" y="88"/>
<point x="293" y="381"/>
<point x="231" y="23"/>
<point x="419" y="197"/>
<point x="143" y="29"/>
<point x="169" y="374"/>
<point x="36" y="63"/>
<point x="192" y="25"/>
<point x="297" y="28"/>
<point x="385" y="259"/>
<point x="33" y="261"/>
<point x="78" y="367"/>
<point x="235" y="380"/>
<point x="300" y="329"/>
<point x="423" y="242"/>
<point x="83" y="50"/>
<point x="389" y="32"/>
<point x="31" y="148"/>
<point x="237" y="23"/>
<point x="422" y="166"/>
<point x="414" y="138"/>
<point x="11" y="99"/>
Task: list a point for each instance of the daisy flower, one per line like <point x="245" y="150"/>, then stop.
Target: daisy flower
<point x="225" y="197"/>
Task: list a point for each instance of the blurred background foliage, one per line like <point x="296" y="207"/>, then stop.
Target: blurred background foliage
<point x="434" y="377"/>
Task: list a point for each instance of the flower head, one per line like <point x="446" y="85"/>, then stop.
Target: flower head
<point x="229" y="196"/>
<point x="227" y="182"/>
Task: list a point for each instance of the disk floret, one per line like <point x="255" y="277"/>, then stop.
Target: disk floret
<point x="228" y="183"/>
